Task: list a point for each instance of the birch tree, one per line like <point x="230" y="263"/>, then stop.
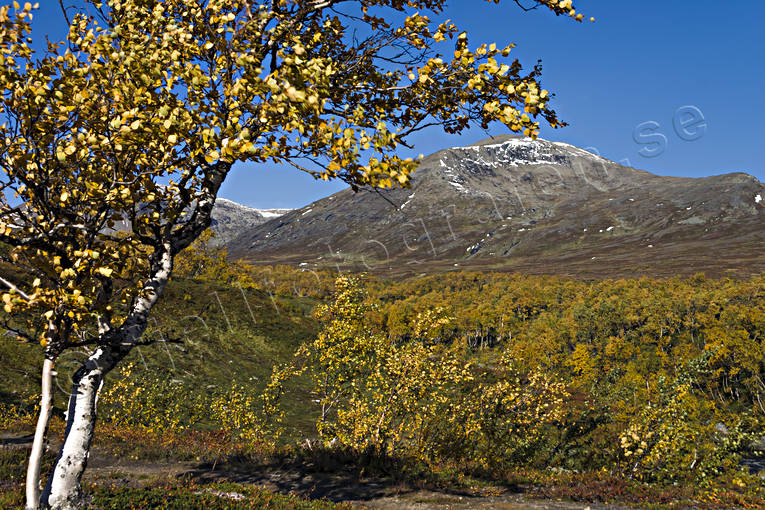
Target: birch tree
<point x="115" y="142"/>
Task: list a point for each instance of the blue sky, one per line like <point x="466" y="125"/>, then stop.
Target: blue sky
<point x="634" y="65"/>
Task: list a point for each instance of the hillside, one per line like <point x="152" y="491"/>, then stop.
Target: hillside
<point x="606" y="350"/>
<point x="230" y="219"/>
<point x="210" y="336"/>
<point x="512" y="204"/>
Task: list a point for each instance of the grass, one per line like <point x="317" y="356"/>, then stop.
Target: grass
<point x="120" y="489"/>
<point x="211" y="497"/>
<point x="215" y="335"/>
<point x="123" y="489"/>
<point x="13" y="466"/>
<point x="208" y="339"/>
<point x="182" y="496"/>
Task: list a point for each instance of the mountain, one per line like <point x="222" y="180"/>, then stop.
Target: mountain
<point x="230" y="219"/>
<point x="509" y="203"/>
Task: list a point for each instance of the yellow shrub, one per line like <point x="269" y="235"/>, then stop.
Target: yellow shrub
<point x="11" y="416"/>
<point x="149" y="402"/>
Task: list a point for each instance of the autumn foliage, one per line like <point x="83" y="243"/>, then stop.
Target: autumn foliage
<point x="115" y="143"/>
<point x="651" y="380"/>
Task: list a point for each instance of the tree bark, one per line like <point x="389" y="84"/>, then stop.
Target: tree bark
<point x="63" y="490"/>
<point x="38" y="444"/>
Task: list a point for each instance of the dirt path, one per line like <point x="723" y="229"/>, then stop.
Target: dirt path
<point x="371" y="493"/>
<point x="342" y="486"/>
<point x="427" y="500"/>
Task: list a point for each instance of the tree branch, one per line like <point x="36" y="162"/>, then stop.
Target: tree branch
<point x="15" y="289"/>
<point x="63" y="10"/>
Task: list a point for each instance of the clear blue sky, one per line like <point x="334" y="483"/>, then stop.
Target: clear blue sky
<point x="633" y="65"/>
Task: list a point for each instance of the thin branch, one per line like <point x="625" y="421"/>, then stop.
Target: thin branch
<point x="527" y="9"/>
<point x="20" y="333"/>
<point x="63" y="10"/>
<point x="15" y="289"/>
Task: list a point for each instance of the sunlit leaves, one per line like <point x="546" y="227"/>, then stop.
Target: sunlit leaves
<point x="118" y="139"/>
<point x="418" y="397"/>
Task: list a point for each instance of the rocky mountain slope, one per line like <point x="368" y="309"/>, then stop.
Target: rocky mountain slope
<point x="230" y="219"/>
<point x="510" y="203"/>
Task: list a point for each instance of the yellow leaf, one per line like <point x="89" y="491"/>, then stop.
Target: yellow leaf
<point x="105" y="271"/>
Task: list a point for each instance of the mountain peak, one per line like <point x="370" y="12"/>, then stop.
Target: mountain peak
<point x="525" y="144"/>
<point x="229" y="219"/>
<point x="496" y="140"/>
<point x="512" y="203"/>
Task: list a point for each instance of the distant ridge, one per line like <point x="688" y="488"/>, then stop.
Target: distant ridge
<point x="230" y="219"/>
<point x="512" y="204"/>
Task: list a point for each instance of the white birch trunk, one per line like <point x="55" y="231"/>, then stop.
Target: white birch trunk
<point x="63" y="490"/>
<point x="38" y="444"/>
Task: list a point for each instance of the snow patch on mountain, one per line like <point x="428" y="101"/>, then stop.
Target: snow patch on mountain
<point x="522" y="151"/>
<point x="454" y="179"/>
<point x="579" y="152"/>
<point x="230" y="218"/>
<point x="266" y="213"/>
